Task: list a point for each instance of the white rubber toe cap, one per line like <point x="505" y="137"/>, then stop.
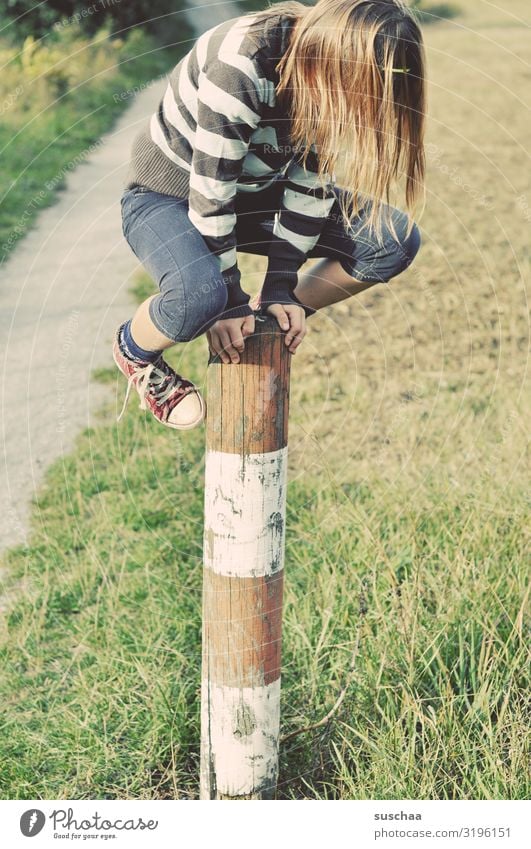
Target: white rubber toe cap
<point x="189" y="412"/>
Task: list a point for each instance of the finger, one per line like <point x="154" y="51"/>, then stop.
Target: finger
<point x="278" y="311"/>
<point x="297" y="341"/>
<point x="228" y="348"/>
<point x="248" y="325"/>
<point x="215" y="344"/>
<point x="237" y="340"/>
<point x="296" y="325"/>
<point x="224" y="344"/>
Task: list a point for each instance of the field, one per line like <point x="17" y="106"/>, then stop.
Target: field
<point x="407" y="555"/>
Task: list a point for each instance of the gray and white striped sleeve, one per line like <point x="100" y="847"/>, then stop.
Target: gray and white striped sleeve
<point x="229" y="108"/>
<point x="304" y="207"/>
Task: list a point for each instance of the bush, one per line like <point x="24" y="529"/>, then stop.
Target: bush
<point x="430" y="13"/>
<point x="57" y="96"/>
<point x="44" y="71"/>
<point x="37" y="19"/>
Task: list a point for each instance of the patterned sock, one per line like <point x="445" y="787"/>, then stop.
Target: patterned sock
<point x="133" y="351"/>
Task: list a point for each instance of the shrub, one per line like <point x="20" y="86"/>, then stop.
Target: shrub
<point x="37" y="19"/>
<point x="432" y="12"/>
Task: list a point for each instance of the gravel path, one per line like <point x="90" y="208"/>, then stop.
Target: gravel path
<point x="63" y="291"/>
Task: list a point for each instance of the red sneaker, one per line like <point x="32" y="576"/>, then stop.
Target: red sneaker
<point x="173" y="400"/>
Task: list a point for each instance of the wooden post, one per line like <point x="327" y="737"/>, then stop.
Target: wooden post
<point x="245" y="497"/>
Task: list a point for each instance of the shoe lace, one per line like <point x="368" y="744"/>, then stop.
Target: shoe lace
<point x="157" y="378"/>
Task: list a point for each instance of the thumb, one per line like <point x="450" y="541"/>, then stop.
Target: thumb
<point x="248" y="326"/>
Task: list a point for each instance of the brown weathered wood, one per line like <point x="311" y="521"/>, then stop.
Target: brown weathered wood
<point x="243" y="628"/>
<point x="250" y="416"/>
<point x="245" y="468"/>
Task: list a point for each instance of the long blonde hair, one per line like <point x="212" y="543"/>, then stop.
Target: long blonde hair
<point x="352" y="82"/>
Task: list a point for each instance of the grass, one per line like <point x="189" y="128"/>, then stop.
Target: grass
<point x="407" y="522"/>
<point x="101" y="653"/>
<point x="57" y="96"/>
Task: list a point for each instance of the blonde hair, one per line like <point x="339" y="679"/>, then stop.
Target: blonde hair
<point x="352" y="82"/>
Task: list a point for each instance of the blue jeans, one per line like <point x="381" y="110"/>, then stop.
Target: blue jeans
<point x="192" y="293"/>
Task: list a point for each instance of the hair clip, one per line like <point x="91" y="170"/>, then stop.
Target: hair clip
<point x="400" y="70"/>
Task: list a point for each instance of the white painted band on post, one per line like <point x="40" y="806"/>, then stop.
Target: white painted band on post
<point x="243" y="741"/>
<point x="245" y="503"/>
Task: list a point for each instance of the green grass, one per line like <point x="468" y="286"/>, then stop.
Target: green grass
<point x="57" y="97"/>
<point x="101" y="653"/>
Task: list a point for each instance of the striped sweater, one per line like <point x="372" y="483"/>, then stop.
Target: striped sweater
<point x="218" y="130"/>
